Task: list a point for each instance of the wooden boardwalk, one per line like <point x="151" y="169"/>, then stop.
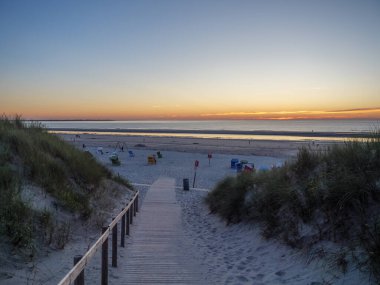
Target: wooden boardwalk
<point x="156" y="253"/>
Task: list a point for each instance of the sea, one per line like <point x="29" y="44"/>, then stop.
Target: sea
<point x="226" y="129"/>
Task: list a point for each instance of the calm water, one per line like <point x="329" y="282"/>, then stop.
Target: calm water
<point x="235" y="125"/>
<point x="218" y="128"/>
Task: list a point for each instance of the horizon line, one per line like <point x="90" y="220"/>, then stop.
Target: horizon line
<point x="202" y="119"/>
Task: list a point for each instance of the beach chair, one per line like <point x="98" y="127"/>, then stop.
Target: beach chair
<point x="234" y="161"/>
<point x="131" y="154"/>
<point x="248" y="168"/>
<point x="151" y="159"/>
<point x="114" y="159"/>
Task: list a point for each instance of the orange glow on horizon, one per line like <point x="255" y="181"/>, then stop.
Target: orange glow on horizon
<point x="183" y="114"/>
<point x="364" y="113"/>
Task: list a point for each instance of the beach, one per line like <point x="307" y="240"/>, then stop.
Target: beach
<point x="273" y="148"/>
<point x="233" y="254"/>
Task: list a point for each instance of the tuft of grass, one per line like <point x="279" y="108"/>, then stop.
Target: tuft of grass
<point x="334" y="194"/>
<point x="306" y="162"/>
<point x="122" y="181"/>
<point x="15" y="216"/>
<point x="371" y="244"/>
<point x="231" y="192"/>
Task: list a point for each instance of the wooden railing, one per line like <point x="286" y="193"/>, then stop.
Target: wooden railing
<point x="76" y="274"/>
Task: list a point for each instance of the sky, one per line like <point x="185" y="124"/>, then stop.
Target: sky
<point x="196" y="59"/>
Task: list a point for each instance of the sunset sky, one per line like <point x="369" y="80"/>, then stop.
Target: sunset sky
<point x="194" y="59"/>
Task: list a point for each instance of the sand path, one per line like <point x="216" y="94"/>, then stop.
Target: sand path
<point x="158" y="252"/>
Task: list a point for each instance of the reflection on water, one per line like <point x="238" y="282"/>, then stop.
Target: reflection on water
<point x="355" y="126"/>
<point x="214" y="136"/>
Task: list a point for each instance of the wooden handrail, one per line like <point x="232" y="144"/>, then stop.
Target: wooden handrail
<point x="79" y="267"/>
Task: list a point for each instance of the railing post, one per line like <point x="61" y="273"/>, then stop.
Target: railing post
<point x="127" y="222"/>
<point x="114" y="246"/>
<point x="131" y="213"/>
<point x="122" y="231"/>
<point x="105" y="259"/>
<point x="80" y="279"/>
<point x="134" y="207"/>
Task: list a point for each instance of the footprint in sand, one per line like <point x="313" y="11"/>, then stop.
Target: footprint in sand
<point x="280" y="273"/>
<point x="260" y="248"/>
<point x="242" y="278"/>
<point x="240" y="252"/>
<point x="5" y="276"/>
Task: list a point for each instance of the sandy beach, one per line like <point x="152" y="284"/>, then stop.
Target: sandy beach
<point x="234" y="254"/>
<point x="273" y="148"/>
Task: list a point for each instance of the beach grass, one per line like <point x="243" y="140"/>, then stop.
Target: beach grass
<point x="330" y="195"/>
<point x="29" y="155"/>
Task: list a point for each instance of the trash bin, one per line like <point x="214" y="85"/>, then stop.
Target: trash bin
<point x="186" y="186"/>
<point x="239" y="167"/>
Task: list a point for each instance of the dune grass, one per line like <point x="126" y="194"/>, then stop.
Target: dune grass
<point x="52" y="164"/>
<point x="30" y="155"/>
<point x="330" y="195"/>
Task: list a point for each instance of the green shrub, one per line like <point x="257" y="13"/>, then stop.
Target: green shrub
<point x="306" y="162"/>
<point x="15" y="217"/>
<point x="46" y="222"/>
<point x="228" y="197"/>
<point x="333" y="193"/>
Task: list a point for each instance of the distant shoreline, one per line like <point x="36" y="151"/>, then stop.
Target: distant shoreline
<point x="221" y="132"/>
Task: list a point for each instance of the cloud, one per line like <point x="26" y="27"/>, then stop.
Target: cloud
<point x="375" y="109"/>
<point x="301" y="114"/>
